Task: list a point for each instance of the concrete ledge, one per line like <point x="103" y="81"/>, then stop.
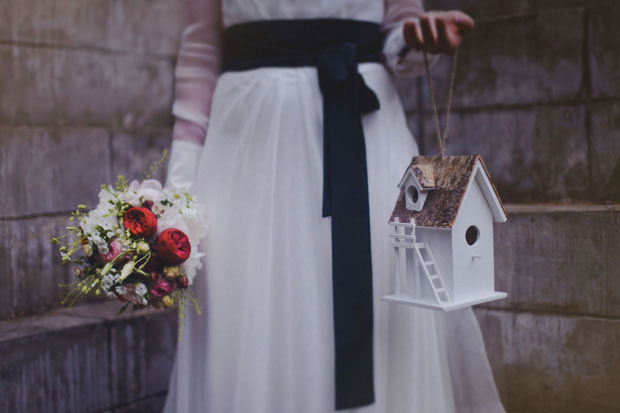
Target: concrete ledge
<point x="86" y="359"/>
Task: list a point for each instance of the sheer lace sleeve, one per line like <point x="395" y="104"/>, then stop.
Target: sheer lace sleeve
<point x="197" y="69"/>
<point x="399" y="59"/>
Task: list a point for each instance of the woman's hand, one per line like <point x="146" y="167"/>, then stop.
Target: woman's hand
<point x="438" y="31"/>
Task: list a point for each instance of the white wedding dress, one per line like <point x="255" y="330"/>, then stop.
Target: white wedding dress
<point x="265" y="342"/>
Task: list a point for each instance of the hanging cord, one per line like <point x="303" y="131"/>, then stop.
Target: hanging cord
<point x="441" y="138"/>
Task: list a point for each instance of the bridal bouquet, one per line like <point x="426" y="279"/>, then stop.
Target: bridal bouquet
<point x="138" y="246"/>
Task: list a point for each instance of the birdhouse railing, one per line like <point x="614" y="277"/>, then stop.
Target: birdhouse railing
<point x="403" y="240"/>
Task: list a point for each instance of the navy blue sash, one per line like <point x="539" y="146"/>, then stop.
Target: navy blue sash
<point x="334" y="47"/>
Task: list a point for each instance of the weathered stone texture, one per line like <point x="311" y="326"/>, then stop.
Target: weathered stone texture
<point x="136" y="26"/>
<point x="30" y="267"/>
<point x="532" y="154"/>
<point x="489" y="9"/>
<point x="604" y="51"/>
<point x="42" y="86"/>
<point x="561" y="261"/>
<point x="552" y="363"/>
<point x="86" y="359"/>
<point x="605" y="144"/>
<point x="134" y="153"/>
<point x="529" y="59"/>
<point x="56" y="371"/>
<point x="50" y="170"/>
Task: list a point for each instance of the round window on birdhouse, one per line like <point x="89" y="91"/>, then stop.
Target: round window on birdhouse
<point x="412" y="194"/>
<point x="472" y="234"/>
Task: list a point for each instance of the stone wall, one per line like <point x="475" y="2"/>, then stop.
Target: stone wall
<point x="538" y="96"/>
<point x="85" y="93"/>
<point x="86" y="89"/>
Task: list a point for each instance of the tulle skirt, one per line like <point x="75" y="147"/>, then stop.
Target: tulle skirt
<point x="265" y="342"/>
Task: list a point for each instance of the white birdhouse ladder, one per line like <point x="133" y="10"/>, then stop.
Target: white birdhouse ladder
<point x="403" y="240"/>
<point x="431" y="270"/>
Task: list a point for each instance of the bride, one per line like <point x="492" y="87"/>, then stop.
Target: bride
<point x="289" y="130"/>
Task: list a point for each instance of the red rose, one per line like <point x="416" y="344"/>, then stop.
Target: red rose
<point x="173" y="246"/>
<point x="140" y="222"/>
<point x="161" y="287"/>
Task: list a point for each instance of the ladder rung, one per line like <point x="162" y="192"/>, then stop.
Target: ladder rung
<point x="440" y="290"/>
<point x="435" y="276"/>
<point x="429" y="262"/>
<point x="421" y="245"/>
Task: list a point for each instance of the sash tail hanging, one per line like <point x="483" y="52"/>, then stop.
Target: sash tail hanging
<point x="334" y="47"/>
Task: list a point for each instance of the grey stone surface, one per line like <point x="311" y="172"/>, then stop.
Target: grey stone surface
<point x="56" y="371"/>
<point x="48" y="170"/>
<point x="605" y="144"/>
<point x="137" y="26"/>
<point x="43" y="86"/>
<point x="566" y="262"/>
<point x="493" y="9"/>
<point x="151" y="404"/>
<point x="133" y="153"/>
<point x="84" y="359"/>
<point x="533" y="155"/>
<point x="604" y="51"/>
<point x="142" y="350"/>
<point x="553" y="363"/>
<point x="524" y="60"/>
<point x="30" y="267"/>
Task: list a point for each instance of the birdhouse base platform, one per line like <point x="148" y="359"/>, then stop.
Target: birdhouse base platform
<point x="444" y="306"/>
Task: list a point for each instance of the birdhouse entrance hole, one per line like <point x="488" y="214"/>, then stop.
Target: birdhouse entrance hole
<point x="412" y="193"/>
<point x="472" y="234"/>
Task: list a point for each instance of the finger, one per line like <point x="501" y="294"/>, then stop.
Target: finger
<point x="413" y="35"/>
<point x="429" y="31"/>
<point x="448" y="40"/>
<point x="443" y="38"/>
<point x="463" y="21"/>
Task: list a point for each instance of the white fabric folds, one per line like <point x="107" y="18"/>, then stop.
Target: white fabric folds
<point x="265" y="342"/>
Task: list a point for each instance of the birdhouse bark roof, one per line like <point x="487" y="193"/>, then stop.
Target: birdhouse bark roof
<point x="451" y="176"/>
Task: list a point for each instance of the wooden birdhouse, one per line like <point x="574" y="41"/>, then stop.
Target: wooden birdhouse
<point x="442" y="233"/>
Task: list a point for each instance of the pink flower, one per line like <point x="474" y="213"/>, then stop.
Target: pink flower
<point x="161" y="287"/>
<point x="115" y="248"/>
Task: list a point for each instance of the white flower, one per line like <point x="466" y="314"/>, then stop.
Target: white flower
<point x="141" y="289"/>
<point x="120" y="290"/>
<point x="148" y="190"/>
<point x="158" y="208"/>
<point x="192" y="265"/>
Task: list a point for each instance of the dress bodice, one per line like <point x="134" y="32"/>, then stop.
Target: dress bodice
<point x="241" y="11"/>
<point x="199" y="59"/>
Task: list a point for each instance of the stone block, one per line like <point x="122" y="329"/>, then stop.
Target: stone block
<point x="604" y="51"/>
<point x="152" y="404"/>
<point x="56" y="370"/>
<point x="45" y="170"/>
<point x="137" y="26"/>
<point x="552" y="363"/>
<point x="134" y="153"/>
<point x="30" y="267"/>
<point x="42" y="86"/>
<point x="565" y="262"/>
<point x="86" y="359"/>
<point x="493" y="9"/>
<point x="605" y="147"/>
<point x="533" y="155"/>
<point x="141" y="355"/>
<point x="523" y="60"/>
